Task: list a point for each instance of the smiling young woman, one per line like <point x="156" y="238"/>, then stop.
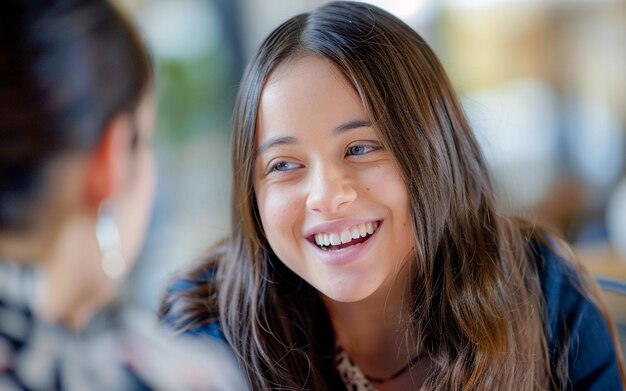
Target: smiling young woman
<point x="367" y="250"/>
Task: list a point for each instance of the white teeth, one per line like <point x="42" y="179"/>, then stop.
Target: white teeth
<point x="317" y="239"/>
<point x="346" y="236"/>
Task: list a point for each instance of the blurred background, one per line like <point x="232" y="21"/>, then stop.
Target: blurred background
<point x="542" y="81"/>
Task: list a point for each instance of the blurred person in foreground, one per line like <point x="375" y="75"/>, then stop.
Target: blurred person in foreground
<point x="76" y="187"/>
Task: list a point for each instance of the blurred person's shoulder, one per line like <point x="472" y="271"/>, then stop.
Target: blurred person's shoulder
<point x="119" y="349"/>
<point x="182" y="363"/>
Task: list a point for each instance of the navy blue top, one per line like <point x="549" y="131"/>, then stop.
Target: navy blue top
<point x="572" y="321"/>
<point x="575" y="321"/>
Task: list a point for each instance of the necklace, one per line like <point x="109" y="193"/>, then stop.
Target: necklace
<point x="412" y="362"/>
<point x="353" y="377"/>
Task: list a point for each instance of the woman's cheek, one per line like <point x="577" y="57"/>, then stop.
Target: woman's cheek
<point x="280" y="210"/>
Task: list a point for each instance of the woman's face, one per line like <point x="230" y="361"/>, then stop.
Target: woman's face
<point x="332" y="202"/>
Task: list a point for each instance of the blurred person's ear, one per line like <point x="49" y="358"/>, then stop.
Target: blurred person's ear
<point x="108" y="163"/>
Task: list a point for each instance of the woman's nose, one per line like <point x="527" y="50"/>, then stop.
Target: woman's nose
<point x="330" y="190"/>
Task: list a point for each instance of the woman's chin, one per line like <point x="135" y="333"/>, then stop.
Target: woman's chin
<point x="347" y="293"/>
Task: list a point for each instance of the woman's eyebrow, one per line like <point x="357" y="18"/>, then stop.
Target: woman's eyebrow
<point x="274" y="141"/>
<point x="359" y="123"/>
<point x="288" y="140"/>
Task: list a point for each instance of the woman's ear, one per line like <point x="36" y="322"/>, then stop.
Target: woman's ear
<point x="108" y="163"/>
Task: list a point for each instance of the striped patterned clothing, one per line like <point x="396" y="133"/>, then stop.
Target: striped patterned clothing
<point x="119" y="349"/>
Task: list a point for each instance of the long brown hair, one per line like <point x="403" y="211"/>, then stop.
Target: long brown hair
<point x="477" y="307"/>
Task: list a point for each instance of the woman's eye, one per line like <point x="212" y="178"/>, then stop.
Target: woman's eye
<point x="282" y="166"/>
<point x="356" y="150"/>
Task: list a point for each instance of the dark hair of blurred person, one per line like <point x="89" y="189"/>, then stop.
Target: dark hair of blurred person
<point x="76" y="186"/>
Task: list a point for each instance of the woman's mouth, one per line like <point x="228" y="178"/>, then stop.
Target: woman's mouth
<point x="357" y="234"/>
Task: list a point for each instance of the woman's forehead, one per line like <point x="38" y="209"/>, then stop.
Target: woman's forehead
<point x="308" y="92"/>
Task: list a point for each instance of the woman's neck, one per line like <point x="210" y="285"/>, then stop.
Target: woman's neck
<point x="374" y="331"/>
<point x="73" y="285"/>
